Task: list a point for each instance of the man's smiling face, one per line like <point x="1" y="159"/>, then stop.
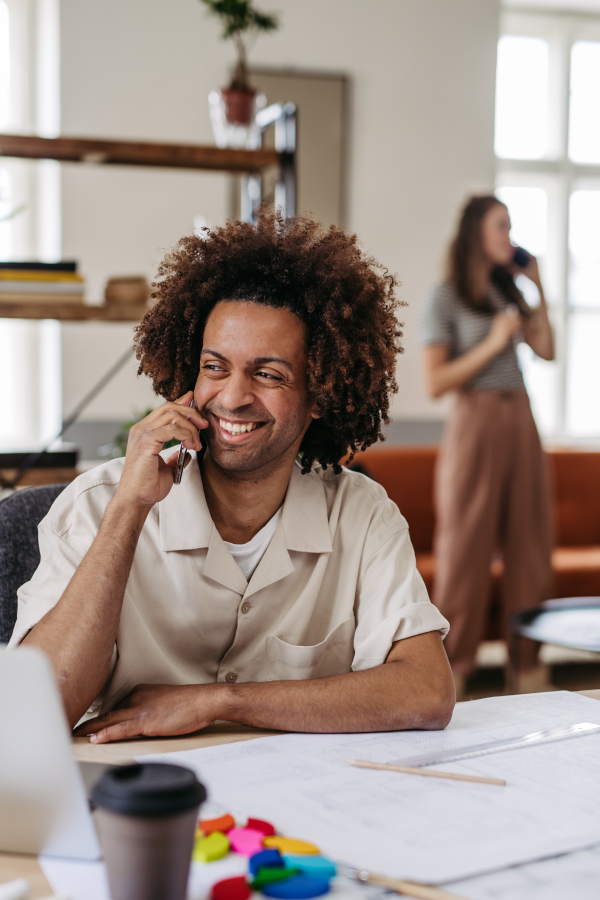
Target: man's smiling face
<point x="252" y="385"/>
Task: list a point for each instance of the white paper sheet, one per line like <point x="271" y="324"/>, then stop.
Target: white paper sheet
<point x="87" y="881"/>
<point x="418" y="828"/>
<point x="575" y="876"/>
<point x="74" y="879"/>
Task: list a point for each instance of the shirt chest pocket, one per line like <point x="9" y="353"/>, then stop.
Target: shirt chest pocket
<point x="333" y="656"/>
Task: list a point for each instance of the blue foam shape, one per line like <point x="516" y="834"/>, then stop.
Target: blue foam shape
<point x="317" y="866"/>
<point x="299" y="887"/>
<point x="266" y="858"/>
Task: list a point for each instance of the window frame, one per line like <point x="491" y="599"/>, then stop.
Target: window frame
<point x="558" y="174"/>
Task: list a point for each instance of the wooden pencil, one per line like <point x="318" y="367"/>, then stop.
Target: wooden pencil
<point x="411" y="889"/>
<point x="429" y="773"/>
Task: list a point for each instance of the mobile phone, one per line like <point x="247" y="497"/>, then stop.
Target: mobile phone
<point x="178" y="473"/>
<point x="521" y="257"/>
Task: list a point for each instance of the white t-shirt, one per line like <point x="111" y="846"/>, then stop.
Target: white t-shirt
<point x="248" y="556"/>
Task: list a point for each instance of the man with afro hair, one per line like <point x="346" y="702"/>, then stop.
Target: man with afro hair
<point x="271" y="586"/>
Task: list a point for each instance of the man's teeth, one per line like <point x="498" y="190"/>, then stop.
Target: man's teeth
<point x="238" y="429"/>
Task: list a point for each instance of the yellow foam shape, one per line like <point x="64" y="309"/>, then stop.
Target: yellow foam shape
<point x="211" y="848"/>
<point x="289" y="845"/>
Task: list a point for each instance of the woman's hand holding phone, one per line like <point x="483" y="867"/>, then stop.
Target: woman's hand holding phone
<point x="526" y="264"/>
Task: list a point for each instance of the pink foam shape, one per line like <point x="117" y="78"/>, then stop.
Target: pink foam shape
<point x="246" y="841"/>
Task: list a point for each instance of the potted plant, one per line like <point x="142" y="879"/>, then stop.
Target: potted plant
<point x="241" y="22"/>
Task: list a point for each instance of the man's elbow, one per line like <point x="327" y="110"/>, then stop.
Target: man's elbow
<point x="439" y="705"/>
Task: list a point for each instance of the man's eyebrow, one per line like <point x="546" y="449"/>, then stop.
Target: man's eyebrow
<point x="265" y="360"/>
<point x="205" y="350"/>
<point x="258" y="361"/>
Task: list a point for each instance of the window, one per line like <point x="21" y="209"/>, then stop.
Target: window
<point x="522" y="97"/>
<point x="4" y="66"/>
<point x="548" y="173"/>
<point x="30" y="400"/>
<point x="584" y="121"/>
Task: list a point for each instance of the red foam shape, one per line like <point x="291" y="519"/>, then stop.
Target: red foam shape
<point x="223" y="823"/>
<point x="231" y="889"/>
<point x="260" y="825"/>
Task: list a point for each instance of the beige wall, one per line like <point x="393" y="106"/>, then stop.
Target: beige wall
<point x="421" y="137"/>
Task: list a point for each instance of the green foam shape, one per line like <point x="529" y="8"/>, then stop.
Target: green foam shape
<point x="269" y="875"/>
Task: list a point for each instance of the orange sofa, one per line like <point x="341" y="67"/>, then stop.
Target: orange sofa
<point x="407" y="474"/>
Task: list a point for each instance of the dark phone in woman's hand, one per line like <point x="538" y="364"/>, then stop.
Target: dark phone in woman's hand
<point x="521" y="257"/>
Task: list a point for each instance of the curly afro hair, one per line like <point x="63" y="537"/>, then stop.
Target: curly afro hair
<point x="345" y="299"/>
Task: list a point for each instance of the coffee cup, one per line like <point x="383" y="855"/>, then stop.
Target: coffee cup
<point x="146" y="818"/>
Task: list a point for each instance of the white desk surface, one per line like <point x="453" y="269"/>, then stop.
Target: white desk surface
<point x="24" y="866"/>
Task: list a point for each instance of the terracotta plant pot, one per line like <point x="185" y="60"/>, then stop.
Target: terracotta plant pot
<point x="239" y="105"/>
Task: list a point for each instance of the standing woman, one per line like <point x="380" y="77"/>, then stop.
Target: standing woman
<point x="492" y="490"/>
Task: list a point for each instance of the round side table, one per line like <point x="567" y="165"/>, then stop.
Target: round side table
<point x="569" y="622"/>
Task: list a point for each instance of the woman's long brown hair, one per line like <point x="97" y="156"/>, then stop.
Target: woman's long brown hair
<point x="466" y="252"/>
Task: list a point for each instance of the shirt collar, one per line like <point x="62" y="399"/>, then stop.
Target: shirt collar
<point x="185" y="522"/>
<point x="305" y="520"/>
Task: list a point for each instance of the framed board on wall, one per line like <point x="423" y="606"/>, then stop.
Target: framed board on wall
<point x="321" y="103"/>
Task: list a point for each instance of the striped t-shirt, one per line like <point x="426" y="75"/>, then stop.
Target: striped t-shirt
<point x="445" y="319"/>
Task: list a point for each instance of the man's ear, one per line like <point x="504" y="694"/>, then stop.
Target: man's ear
<point x="315" y="411"/>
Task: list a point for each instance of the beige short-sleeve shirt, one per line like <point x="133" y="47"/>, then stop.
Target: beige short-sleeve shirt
<point x="336" y="587"/>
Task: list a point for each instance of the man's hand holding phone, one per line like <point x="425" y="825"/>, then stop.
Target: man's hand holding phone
<point x="147" y="478"/>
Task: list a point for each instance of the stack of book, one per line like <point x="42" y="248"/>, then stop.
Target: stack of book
<point x="40" y="283"/>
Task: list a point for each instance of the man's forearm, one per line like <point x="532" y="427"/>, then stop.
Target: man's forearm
<point x="413" y="689"/>
<point x="390" y="697"/>
<point x="79" y="633"/>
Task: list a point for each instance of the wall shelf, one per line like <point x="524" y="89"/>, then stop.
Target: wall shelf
<point x="249" y="163"/>
<point x="138" y="153"/>
<point x="72" y="312"/>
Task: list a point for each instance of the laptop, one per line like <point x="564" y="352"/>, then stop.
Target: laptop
<point x="43" y="803"/>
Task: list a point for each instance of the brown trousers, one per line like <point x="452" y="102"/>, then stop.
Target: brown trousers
<point x="492" y="495"/>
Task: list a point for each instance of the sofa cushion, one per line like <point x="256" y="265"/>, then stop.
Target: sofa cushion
<point x="407" y="475"/>
<point x="426" y="567"/>
<point x="576" y="571"/>
<point x="576" y="477"/>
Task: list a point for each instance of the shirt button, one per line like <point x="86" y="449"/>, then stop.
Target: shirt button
<point x="231" y="677"/>
<point x="246" y="608"/>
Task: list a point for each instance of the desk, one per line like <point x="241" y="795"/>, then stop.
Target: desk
<point x="23" y="866"/>
<point x="15" y="865"/>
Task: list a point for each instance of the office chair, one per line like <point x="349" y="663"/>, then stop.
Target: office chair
<point x="20" y="515"/>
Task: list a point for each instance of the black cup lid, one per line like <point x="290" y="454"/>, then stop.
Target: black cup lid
<point x="148" y="789"/>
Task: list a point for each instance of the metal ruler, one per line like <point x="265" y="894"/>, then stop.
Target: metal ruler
<point x="527" y="740"/>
